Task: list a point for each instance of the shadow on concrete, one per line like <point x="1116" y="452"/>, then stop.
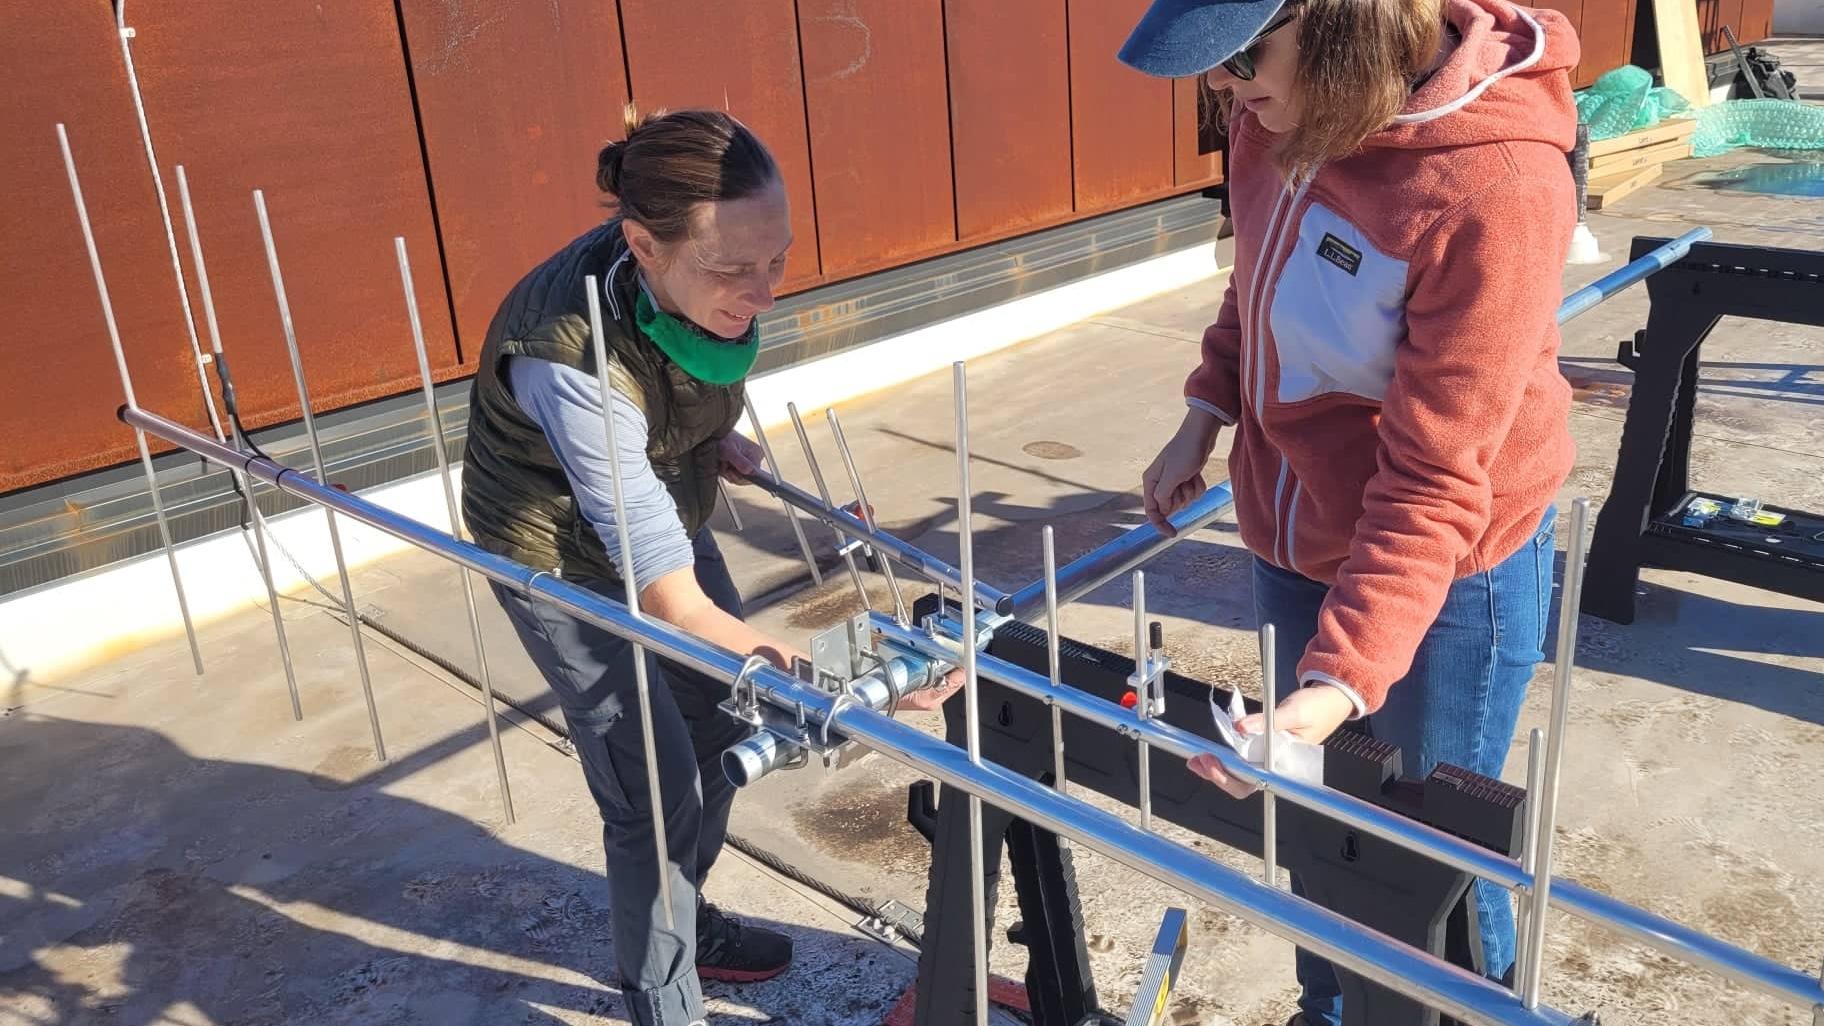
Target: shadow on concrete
<point x="1080" y="521"/>
<point x="1705" y="645"/>
<point x="136" y="880"/>
<point x="1603" y="380"/>
<point x="1008" y="553"/>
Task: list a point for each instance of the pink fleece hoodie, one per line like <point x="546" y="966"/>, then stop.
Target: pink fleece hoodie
<point x="1387" y="348"/>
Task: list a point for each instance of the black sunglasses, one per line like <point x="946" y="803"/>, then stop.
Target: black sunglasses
<point x="1241" y="66"/>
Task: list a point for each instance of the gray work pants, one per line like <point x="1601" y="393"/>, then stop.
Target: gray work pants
<point x="591" y="672"/>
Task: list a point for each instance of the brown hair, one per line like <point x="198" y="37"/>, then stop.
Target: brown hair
<point x="1357" y="61"/>
<point x="667" y="163"/>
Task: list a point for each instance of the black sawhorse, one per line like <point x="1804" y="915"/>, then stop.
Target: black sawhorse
<point x="1375" y="882"/>
<point x="1642" y="523"/>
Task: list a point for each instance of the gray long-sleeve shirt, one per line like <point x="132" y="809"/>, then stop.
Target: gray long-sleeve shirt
<point x="566" y="404"/>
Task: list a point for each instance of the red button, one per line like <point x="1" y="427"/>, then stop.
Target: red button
<point x="1129" y="700"/>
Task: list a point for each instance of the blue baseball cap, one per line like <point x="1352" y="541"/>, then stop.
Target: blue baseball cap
<point x="1178" y="38"/>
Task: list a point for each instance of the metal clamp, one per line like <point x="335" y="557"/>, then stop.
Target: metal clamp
<point x="746" y="709"/>
<point x="1150" y="660"/>
<point x="843" y="701"/>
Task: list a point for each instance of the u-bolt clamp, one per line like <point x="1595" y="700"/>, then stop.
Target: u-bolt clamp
<point x="746" y="708"/>
<point x="843" y="701"/>
<point x="886" y="674"/>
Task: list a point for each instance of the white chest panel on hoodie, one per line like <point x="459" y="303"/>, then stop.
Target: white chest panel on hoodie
<point x="1338" y="312"/>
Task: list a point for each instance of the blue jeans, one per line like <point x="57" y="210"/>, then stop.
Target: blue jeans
<point x="1458" y="704"/>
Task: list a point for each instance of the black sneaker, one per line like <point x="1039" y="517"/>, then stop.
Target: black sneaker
<point x="730" y="951"/>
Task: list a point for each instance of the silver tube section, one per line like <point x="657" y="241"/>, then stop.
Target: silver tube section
<point x="1535" y="785"/>
<point x="1373" y="955"/>
<point x="490" y="713"/>
<point x="1143" y="692"/>
<point x="804" y="545"/>
<point x="910" y="556"/>
<point x="965" y="527"/>
<point x="1598" y="291"/>
<point x="1269" y="702"/>
<point x="867" y="513"/>
<point x="1051" y="656"/>
<point x="1101" y="565"/>
<point x="734" y="515"/>
<point x="254" y="518"/>
<point x="766" y="750"/>
<point x="631" y="589"/>
<point x="1572" y="589"/>
<point x="316" y="455"/>
<point x="126" y="386"/>
<point x="823" y="490"/>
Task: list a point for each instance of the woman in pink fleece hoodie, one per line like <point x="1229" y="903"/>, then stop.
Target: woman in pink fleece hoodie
<point x="1386" y="352"/>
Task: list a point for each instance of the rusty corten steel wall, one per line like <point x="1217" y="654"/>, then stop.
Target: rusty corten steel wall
<point x="1122" y="122"/>
<point x="309" y="103"/>
<point x="498" y="124"/>
<point x="878" y="105"/>
<point x="57" y="415"/>
<point x="674" y="62"/>
<point x="1009" y="114"/>
<point x="905" y="129"/>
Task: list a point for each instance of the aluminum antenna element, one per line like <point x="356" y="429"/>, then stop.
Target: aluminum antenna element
<point x="126" y="386"/>
<point x="772" y="464"/>
<point x="255" y="520"/>
<point x="490" y="714"/>
<point x="631" y="587"/>
<point x="965" y="515"/>
<point x="316" y="455"/>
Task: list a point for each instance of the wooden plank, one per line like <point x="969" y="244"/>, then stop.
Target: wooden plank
<point x="1191" y="113"/>
<point x="1645" y="156"/>
<point x="512" y="156"/>
<point x="674" y="63"/>
<point x="314" y="106"/>
<point x="1681" y="50"/>
<point x="1665" y="131"/>
<point x="1602" y="193"/>
<point x="880" y="132"/>
<point x="1122" y="120"/>
<point x="1009" y="114"/>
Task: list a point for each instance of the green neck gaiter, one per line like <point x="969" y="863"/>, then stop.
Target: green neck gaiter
<point x="704" y="357"/>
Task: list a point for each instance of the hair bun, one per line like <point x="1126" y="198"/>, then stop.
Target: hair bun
<point x="609" y="163"/>
<point x="608" y="166"/>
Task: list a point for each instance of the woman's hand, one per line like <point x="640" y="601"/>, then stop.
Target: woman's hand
<point x="934" y="697"/>
<point x="740" y="457"/>
<point x="1309" y="714"/>
<point x="1175" y="479"/>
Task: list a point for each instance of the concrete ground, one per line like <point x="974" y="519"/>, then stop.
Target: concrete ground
<point x="179" y="851"/>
